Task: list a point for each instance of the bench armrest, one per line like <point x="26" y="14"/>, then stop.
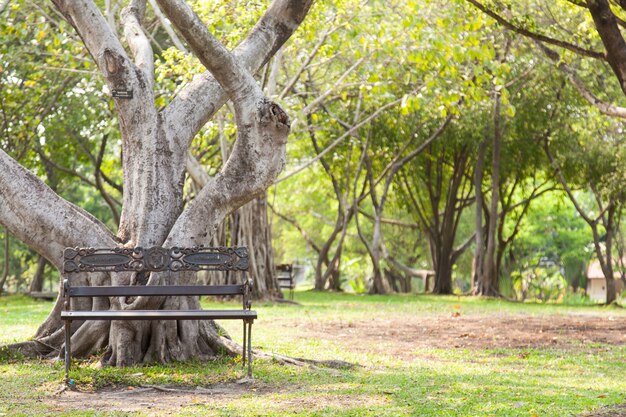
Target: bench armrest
<point x="248" y="284"/>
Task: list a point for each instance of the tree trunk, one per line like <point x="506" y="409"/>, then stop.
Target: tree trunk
<point x="478" y="273"/>
<point x="5" y="268"/>
<point x="36" y="284"/>
<point x="327" y="270"/>
<point x="489" y="285"/>
<point x="251" y="228"/>
<point x="448" y="189"/>
<point x="607" y="265"/>
<point x="380" y="285"/>
<point x="443" y="273"/>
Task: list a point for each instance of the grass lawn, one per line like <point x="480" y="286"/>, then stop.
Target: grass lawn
<point x="415" y="355"/>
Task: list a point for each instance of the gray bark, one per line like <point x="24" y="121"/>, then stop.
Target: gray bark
<point x="488" y="285"/>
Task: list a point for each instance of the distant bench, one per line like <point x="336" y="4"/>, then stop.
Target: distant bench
<point x="156" y="259"/>
<point x="285" y="278"/>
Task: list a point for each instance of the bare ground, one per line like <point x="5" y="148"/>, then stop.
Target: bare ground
<point x="397" y="336"/>
<point x="401" y="336"/>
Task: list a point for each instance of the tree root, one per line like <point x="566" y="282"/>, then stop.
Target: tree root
<point x="285" y="301"/>
<point x="316" y="364"/>
<point x="45" y="348"/>
<point x="31" y="349"/>
<point x="332" y="363"/>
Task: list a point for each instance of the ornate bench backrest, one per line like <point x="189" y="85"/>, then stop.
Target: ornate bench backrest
<point x="155" y="259"/>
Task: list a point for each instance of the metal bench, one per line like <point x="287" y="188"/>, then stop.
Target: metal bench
<point x="139" y="260"/>
<point x="285" y="278"/>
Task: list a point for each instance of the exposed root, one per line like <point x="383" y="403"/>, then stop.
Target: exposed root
<point x="288" y="360"/>
<point x="285" y="301"/>
<point x="196" y="390"/>
<point x="31" y="349"/>
<point x="333" y="364"/>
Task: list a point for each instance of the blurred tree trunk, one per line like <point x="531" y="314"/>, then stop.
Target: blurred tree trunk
<point x="445" y="175"/>
<point x="488" y="284"/>
<point x="477" y="275"/>
<point x="250" y="227"/>
<point x="5" y="269"/>
<point x="36" y="284"/>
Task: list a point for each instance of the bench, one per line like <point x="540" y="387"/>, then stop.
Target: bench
<point x="285" y="278"/>
<point x="156" y="259"/>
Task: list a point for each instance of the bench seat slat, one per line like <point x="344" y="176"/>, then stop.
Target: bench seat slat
<point x="155" y="290"/>
<point x="159" y="315"/>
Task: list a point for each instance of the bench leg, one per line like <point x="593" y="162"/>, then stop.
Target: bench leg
<point x="243" y="351"/>
<point x="68" y="350"/>
<point x="250" y="349"/>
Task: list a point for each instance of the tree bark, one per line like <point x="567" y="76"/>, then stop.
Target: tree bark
<point x="5" y="266"/>
<point x="478" y="273"/>
<point x="488" y="286"/>
<point x="252" y="229"/>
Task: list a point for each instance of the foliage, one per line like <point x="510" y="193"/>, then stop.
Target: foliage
<point x="423" y="59"/>
<point x="54" y="113"/>
<point x="553" y="240"/>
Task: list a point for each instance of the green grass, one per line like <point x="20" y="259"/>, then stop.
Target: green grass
<point x="424" y="382"/>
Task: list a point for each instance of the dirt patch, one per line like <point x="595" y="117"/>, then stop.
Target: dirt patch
<point x="394" y="335"/>
<point x="170" y="400"/>
<point x="152" y="400"/>
<point x="399" y="336"/>
<point x="613" y="411"/>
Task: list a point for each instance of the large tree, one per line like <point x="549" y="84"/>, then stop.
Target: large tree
<point x="155" y="144"/>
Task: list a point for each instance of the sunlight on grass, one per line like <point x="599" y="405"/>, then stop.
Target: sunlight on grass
<point x="21" y="316"/>
<point x="423" y="380"/>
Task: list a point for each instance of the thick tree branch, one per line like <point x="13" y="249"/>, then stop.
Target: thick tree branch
<point x="566" y="187"/>
<point x="402" y="162"/>
<point x="101" y="42"/>
<point x="525" y="32"/>
<point x="458" y="251"/>
<point x="295" y="224"/>
<point x="606" y="108"/>
<point x="137" y="39"/>
<point x="50" y="227"/>
<point x="606" y="25"/>
<point x="258" y="154"/>
<point x="196" y="171"/>
<point x="392" y="222"/>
